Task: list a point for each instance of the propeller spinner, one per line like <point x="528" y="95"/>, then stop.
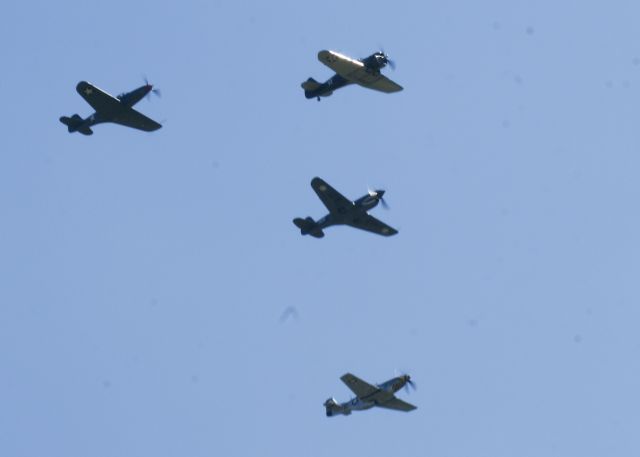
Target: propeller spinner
<point x="378" y="194"/>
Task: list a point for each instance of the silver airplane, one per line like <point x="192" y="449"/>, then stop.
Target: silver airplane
<point x="368" y="396"/>
<point x="344" y="211"/>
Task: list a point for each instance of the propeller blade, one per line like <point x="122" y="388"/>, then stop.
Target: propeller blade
<point x="157" y="92"/>
<point x="411" y="384"/>
<point x="390" y="62"/>
<point x="384" y="203"/>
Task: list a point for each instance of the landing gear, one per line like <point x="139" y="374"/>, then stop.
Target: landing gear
<point x="318" y="98"/>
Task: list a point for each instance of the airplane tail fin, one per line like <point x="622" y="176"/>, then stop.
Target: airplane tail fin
<point x="310" y="87"/>
<point x="332" y="407"/>
<point x="74" y="124"/>
<point x="308" y="227"/>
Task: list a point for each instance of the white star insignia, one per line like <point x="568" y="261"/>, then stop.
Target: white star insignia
<point x="88" y="91"/>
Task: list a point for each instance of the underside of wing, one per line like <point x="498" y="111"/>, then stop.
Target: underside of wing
<point x="332" y="199"/>
<point x="397" y="404"/>
<point x="134" y="119"/>
<point x="383" y="84"/>
<point x="340" y="63"/>
<point x="371" y="224"/>
<point x="359" y="387"/>
<point x="99" y="100"/>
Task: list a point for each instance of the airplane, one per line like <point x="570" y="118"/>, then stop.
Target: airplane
<point x="365" y="72"/>
<point x="368" y="396"/>
<point x="344" y="211"/>
<point x="111" y="109"/>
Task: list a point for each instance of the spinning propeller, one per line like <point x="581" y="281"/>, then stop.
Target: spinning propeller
<point x="386" y="59"/>
<point x="408" y="383"/>
<point x="411" y="384"/>
<point x="155" y="91"/>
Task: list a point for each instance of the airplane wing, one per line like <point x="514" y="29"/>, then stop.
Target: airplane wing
<point x="340" y="63"/>
<point x="136" y="120"/>
<point x="383" y="84"/>
<point x="358" y="386"/>
<point x="99" y="100"/>
<point x="371" y="224"/>
<point x="332" y="199"/>
<point x="357" y="72"/>
<point x="397" y="404"/>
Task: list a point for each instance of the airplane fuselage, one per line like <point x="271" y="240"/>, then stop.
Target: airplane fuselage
<point x="129" y="99"/>
<point x="327" y="88"/>
<point x="360" y="208"/>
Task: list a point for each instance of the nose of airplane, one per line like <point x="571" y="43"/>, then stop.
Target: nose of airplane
<point x="379" y="194"/>
<point x="409" y="383"/>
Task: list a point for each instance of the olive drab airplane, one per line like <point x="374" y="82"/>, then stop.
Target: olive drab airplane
<point x="365" y="72"/>
<point x="344" y="212"/>
<point x="108" y="108"/>
<point x="367" y="396"/>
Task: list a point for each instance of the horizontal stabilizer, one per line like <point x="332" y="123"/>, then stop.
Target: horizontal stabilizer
<point x="310" y="84"/>
<point x="308" y="227"/>
<point x="74" y="124"/>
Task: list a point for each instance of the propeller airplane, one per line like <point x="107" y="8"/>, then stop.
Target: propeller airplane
<point x="365" y="72"/>
<point x="367" y="396"/>
<point x="108" y="108"/>
<point x="344" y="211"/>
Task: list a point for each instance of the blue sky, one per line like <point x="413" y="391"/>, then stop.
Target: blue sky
<point x="144" y="275"/>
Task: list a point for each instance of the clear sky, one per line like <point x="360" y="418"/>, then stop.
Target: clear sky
<point x="143" y="276"/>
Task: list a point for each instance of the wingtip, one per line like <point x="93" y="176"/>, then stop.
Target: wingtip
<point x="322" y="54"/>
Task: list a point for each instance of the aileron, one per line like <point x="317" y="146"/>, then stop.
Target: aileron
<point x="371" y="224"/>
<point x="134" y="119"/>
<point x="397" y="404"/>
